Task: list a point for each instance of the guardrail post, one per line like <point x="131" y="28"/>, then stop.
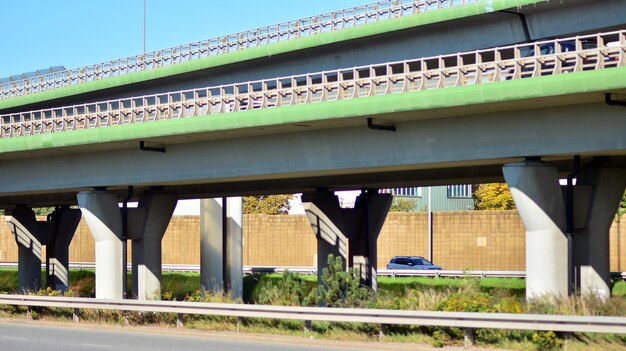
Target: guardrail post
<point x="383" y="330"/>
<point x="179" y="320"/>
<point x="308" y="326"/>
<point x="28" y="315"/>
<point x="75" y="317"/>
<point x="468" y="337"/>
<point x="567" y="340"/>
<point x="239" y="320"/>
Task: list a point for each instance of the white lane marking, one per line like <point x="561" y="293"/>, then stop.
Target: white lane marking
<point x="96" y="345"/>
<point x="14" y="338"/>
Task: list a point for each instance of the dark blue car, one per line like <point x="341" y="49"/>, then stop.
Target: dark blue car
<point x="411" y="262"/>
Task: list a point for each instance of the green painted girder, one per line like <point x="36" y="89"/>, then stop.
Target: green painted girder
<point x="313" y="41"/>
<point x="385" y="106"/>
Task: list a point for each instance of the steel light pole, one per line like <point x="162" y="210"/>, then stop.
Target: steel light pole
<point x="143" y="36"/>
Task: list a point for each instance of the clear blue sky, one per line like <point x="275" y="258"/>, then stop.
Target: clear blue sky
<point x="72" y="33"/>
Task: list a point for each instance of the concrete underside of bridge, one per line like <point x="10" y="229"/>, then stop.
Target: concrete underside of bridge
<point x="432" y="151"/>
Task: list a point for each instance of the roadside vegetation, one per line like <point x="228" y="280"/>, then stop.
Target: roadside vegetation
<point x="341" y="289"/>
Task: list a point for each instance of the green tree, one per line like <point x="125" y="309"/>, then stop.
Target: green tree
<point x="39" y="211"/>
<point x="493" y="196"/>
<point x="266" y="204"/>
<point x="43" y="211"/>
<point x="401" y="204"/>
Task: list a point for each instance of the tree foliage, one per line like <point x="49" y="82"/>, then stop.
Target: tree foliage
<point x="266" y="204"/>
<point x="493" y="196"/>
<point x="401" y="204"/>
<point x="622" y="206"/>
<point x="43" y="211"/>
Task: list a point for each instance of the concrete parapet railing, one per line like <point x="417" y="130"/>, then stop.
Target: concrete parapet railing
<point x="554" y="57"/>
<point x="304" y="27"/>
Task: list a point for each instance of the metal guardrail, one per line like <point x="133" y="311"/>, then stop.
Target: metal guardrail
<point x="521" y="61"/>
<point x="304" y="27"/>
<point x="312" y="270"/>
<point x="468" y="321"/>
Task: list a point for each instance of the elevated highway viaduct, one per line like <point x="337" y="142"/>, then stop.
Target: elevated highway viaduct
<point x="435" y="120"/>
<point x="418" y="31"/>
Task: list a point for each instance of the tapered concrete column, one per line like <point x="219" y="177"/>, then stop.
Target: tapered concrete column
<point x="147" y="225"/>
<point x="325" y="215"/>
<point x="538" y="198"/>
<point x="363" y="243"/>
<point x="221" y="245"/>
<point x="65" y="221"/>
<point x="25" y="229"/>
<point x="211" y="245"/>
<point x="102" y="214"/>
<point x="604" y="189"/>
<point x="333" y="226"/>
<point x="30" y="235"/>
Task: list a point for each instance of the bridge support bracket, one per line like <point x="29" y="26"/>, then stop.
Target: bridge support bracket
<point x="371" y="125"/>
<point x="143" y="147"/>
<point x="608" y="98"/>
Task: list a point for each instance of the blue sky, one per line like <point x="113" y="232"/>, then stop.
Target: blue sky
<point x="43" y="33"/>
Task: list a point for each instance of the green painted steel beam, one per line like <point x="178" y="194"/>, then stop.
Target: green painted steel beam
<point x="313" y="41"/>
<point x="480" y="94"/>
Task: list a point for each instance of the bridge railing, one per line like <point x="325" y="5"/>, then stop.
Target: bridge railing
<point x="304" y="27"/>
<point x="584" y="53"/>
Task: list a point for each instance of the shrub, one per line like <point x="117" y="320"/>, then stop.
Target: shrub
<point x="288" y="291"/>
<point x="206" y="296"/>
<point x="440" y="338"/>
<point x="547" y="341"/>
<point x="467" y="302"/>
<point x="339" y="288"/>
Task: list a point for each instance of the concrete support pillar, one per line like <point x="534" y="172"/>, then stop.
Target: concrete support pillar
<point x="362" y="244"/>
<point x="221" y="245"/>
<point x="360" y="226"/>
<point x="538" y="198"/>
<point x="25" y="228"/>
<point x="325" y="215"/>
<point x="598" y="194"/>
<point x="30" y="235"/>
<point x="102" y="214"/>
<point x="65" y="221"/>
<point x="233" y="272"/>
<point x="211" y="245"/>
<point x="147" y="225"/>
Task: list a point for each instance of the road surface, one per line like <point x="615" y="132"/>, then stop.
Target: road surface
<point x="37" y="336"/>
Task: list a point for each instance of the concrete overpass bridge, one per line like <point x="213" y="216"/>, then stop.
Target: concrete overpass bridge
<point x="428" y="120"/>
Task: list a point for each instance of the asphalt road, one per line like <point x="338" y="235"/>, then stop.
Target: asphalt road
<point x="38" y="336"/>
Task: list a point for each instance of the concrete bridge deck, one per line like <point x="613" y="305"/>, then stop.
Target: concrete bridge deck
<point x="453" y="123"/>
<point x="400" y="31"/>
